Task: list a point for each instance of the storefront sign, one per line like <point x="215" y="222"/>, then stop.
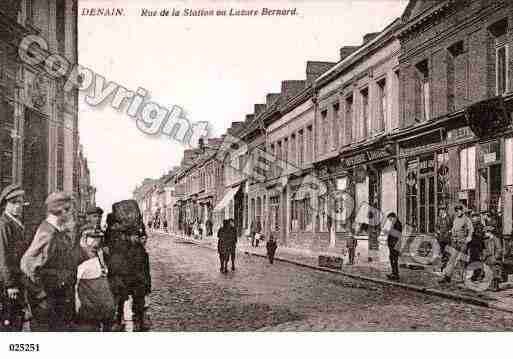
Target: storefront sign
<point x="370" y="155"/>
<point x="354" y="160"/>
<point x="459" y="133"/>
<point x="490" y="157"/>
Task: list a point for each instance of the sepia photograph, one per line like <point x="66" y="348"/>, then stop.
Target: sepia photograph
<point x="254" y="166"/>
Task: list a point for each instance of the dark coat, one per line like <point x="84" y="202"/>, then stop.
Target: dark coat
<point x="443" y="229"/>
<point x="395" y="234"/>
<point x="271" y="246"/>
<point x="12" y="247"/>
<point x="222" y="241"/>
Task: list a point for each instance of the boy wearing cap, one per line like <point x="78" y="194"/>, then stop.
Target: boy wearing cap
<point x="12" y="247"/>
<point x="492" y="255"/>
<point x="51" y="264"/>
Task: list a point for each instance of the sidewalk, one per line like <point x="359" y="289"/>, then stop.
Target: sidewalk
<point x="422" y="280"/>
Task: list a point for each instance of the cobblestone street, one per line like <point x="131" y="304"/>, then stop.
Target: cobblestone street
<point x="190" y="294"/>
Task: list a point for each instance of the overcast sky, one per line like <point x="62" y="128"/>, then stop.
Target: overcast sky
<point x="216" y="68"/>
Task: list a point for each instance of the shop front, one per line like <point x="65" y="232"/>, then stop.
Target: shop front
<point x="371" y="179"/>
<point x="467" y="160"/>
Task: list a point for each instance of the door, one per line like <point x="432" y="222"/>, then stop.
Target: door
<point x="35" y="169"/>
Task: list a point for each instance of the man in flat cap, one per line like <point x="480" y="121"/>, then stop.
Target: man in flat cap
<point x="461" y="233"/>
<point x="51" y="264"/>
<point x="94" y="217"/>
<point x="12" y="247"/>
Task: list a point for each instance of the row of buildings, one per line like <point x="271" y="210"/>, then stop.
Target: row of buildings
<point x="39" y="135"/>
<point x="418" y="117"/>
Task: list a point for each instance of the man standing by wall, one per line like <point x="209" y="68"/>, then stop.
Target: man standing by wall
<point x="51" y="263"/>
<point x="231" y="235"/>
<point x="393" y="237"/>
<point x="12" y="247"/>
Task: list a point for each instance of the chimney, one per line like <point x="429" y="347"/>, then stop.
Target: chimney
<point x="314" y="69"/>
<point x="289" y="88"/>
<point x="258" y="108"/>
<point x="270" y="98"/>
<point x="345" y="51"/>
<point x="368" y="37"/>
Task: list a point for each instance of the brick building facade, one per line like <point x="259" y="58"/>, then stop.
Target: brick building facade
<point x="39" y="122"/>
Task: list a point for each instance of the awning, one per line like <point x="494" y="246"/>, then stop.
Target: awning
<point x="226" y="199"/>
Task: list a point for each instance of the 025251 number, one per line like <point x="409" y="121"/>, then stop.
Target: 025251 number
<point x="23" y="347"/>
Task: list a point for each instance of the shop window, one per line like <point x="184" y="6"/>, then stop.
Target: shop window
<point x="442" y="175"/>
<point x="274" y="204"/>
<point x="509" y="160"/>
<point x="323" y="214"/>
<point x="490" y="176"/>
<point x="468" y="168"/>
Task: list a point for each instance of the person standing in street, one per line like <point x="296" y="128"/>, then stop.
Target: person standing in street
<point x="222" y="246"/>
<point x="351" y="244"/>
<point x="393" y="237"/>
<point x="232" y="241"/>
<point x="271" y="247"/>
<point x="51" y="263"/>
<point x="12" y="247"/>
<point x="476" y="246"/>
<point x="461" y="233"/>
<point x="492" y="255"/>
<point x="443" y="234"/>
<point x="94" y="218"/>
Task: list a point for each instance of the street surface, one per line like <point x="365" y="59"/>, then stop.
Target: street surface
<point x="190" y="294"/>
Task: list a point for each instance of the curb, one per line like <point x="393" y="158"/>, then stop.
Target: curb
<point x="412" y="287"/>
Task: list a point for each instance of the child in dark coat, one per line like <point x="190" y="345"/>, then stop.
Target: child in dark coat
<point x="271" y="248"/>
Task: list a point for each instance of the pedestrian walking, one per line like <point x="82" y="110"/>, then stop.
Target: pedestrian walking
<point x="393" y="236"/>
<point x="492" y="255"/>
<point x="271" y="247"/>
<point x="258" y="238"/>
<point x="12" y="247"/>
<point x="139" y="277"/>
<point x="51" y="264"/>
<point x="231" y="234"/>
<point x="94" y="301"/>
<point x="351" y="244"/>
<point x="476" y="246"/>
<point x="461" y="235"/>
<point x="443" y="234"/>
<point x="223" y="246"/>
<point x="165" y="225"/>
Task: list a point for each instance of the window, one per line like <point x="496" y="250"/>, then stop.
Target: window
<point x="300" y="148"/>
<point x="423" y="98"/>
<point x="309" y="144"/>
<point x="60" y="157"/>
<point x="382" y="105"/>
<point x="336" y="115"/>
<point x="323" y="214"/>
<point x="499" y="32"/>
<point x="274" y="204"/>
<point x="349" y="120"/>
<point x="325" y="131"/>
<point x="365" y="113"/>
<point x="301" y="219"/>
<point x="509" y="160"/>
<point x="293" y="148"/>
<point x="468" y="168"/>
<point x="286" y="150"/>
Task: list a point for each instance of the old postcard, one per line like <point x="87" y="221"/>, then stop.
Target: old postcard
<point x="243" y="166"/>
